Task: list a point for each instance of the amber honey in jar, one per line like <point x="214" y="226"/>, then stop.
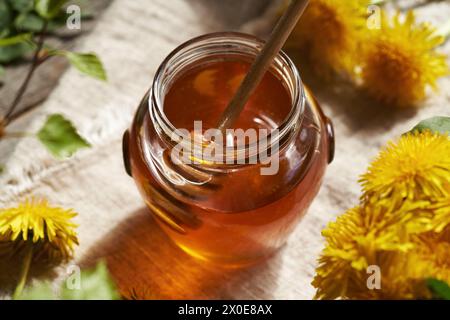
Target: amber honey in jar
<point x="232" y="212"/>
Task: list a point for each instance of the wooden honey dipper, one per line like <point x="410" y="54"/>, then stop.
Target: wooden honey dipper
<point x="262" y="63"/>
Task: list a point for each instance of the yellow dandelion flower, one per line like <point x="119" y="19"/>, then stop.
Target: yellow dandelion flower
<point x="441" y="220"/>
<point x="433" y="249"/>
<point x="329" y="33"/>
<point x="40" y="230"/>
<point x="417" y="167"/>
<point x="49" y="229"/>
<point x="400" y="60"/>
<point x="372" y="235"/>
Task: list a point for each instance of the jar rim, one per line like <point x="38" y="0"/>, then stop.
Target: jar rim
<point x="298" y="97"/>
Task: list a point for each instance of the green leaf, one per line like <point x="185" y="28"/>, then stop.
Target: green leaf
<point x="95" y="284"/>
<point x="41" y="291"/>
<point x="14" y="52"/>
<point x="22" y="5"/>
<point x="60" y="137"/>
<point x="86" y="63"/>
<point x="49" y="9"/>
<point x="29" y="22"/>
<point x="24" y="37"/>
<point x="440" y="289"/>
<point x="2" y="71"/>
<point x="5" y="14"/>
<point x="2" y="169"/>
<point x="438" y="124"/>
<point x="5" y="33"/>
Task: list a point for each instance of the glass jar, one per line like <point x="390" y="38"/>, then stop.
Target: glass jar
<point x="228" y="213"/>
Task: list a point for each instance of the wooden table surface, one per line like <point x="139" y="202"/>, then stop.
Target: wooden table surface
<point x="132" y="38"/>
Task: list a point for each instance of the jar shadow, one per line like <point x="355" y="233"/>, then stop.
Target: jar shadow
<point x="146" y="264"/>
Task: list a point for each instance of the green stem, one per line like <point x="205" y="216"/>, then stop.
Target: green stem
<point x="25" y="270"/>
<point x="23" y="88"/>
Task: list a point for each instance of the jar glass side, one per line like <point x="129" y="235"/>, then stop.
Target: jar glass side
<point x="230" y="215"/>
